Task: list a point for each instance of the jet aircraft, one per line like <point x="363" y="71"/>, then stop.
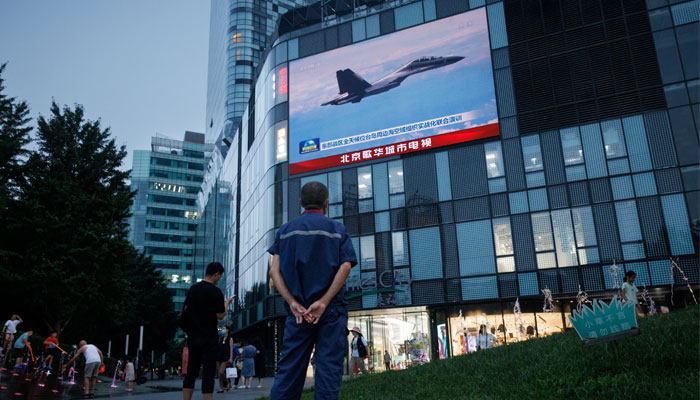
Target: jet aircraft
<point x="352" y="88"/>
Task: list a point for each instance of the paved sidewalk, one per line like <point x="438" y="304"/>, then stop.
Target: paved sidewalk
<point x="170" y="389"/>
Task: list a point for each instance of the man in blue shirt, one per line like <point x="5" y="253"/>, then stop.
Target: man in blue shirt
<point x="311" y="259"/>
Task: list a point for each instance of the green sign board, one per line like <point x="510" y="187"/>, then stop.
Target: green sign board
<point x="604" y="319"/>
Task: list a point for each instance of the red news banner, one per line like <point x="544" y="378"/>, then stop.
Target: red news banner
<point x="446" y="139"/>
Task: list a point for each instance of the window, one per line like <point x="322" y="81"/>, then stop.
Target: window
<point x="571" y="146"/>
<point x="613" y="139"/>
<point x="544" y="243"/>
<point x="475" y="245"/>
<point x="532" y="155"/>
<point x="364" y="182"/>
<point x="494" y="160"/>
<point x="426" y="254"/>
<point x="630" y="230"/>
<point x="396" y="177"/>
<point x="367" y="253"/>
<point x="399" y="241"/>
<point x="503" y="241"/>
<point x="396" y="186"/>
<point x="564" y="238"/>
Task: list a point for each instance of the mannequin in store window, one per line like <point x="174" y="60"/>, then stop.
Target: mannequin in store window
<point x="485" y="339"/>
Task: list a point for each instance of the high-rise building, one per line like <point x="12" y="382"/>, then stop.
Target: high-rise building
<point x="164" y="213"/>
<point x="238" y="35"/>
<point x="481" y="153"/>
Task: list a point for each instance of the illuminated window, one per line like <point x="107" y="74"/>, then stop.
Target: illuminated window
<point x="174" y="278"/>
<point x="281" y="144"/>
<point x="364" y="182"/>
<point x="186" y="279"/>
<point x="167" y="187"/>
<point x="191" y="214"/>
<point x="494" y="160"/>
<point x="237" y="38"/>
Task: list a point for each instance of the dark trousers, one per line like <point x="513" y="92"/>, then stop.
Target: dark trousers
<point x="202" y="353"/>
<point x="331" y="339"/>
<point x="387" y="364"/>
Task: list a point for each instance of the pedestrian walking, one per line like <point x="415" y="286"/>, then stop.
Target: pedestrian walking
<point x="359" y="351"/>
<point x="129" y="375"/>
<point x="204" y="306"/>
<point x="311" y="259"/>
<point x="224" y="359"/>
<point x="248" y="353"/>
<point x="387" y="360"/>
<point x="94" y="360"/>
<point x="260" y="365"/>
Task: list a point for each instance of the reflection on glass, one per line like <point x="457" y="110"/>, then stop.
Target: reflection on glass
<point x="399" y="240"/>
<point x="532" y="155"/>
<point x="367" y="252"/>
<point x="364" y="182"/>
<point x="546" y="260"/>
<point x="571" y="146"/>
<point x="396" y="177"/>
<point x="502" y="236"/>
<point x="542" y="232"/>
<point x="494" y="159"/>
<point x="505" y="264"/>
<point x="613" y="139"/>
<point x="584" y="227"/>
<point x="564" y="238"/>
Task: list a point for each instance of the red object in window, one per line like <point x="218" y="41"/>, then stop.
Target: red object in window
<point x="283" y="80"/>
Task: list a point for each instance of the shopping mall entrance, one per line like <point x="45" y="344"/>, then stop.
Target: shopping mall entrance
<point x="403" y="332"/>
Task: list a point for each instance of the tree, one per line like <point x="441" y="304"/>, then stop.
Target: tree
<point x="78" y="274"/>
<point x="14" y="136"/>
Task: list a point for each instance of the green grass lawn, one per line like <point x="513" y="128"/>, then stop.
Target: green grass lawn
<point x="661" y="363"/>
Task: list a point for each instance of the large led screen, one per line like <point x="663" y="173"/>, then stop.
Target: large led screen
<point x="420" y="88"/>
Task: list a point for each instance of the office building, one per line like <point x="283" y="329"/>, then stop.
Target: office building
<point x="481" y="153"/>
<point x="164" y="213"/>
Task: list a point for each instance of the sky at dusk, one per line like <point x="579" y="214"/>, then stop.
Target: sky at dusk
<point x="139" y="65"/>
<point x="465" y="87"/>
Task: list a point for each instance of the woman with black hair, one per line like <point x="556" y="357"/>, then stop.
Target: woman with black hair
<point x="629" y="291"/>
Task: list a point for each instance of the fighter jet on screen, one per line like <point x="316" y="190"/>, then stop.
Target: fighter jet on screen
<point x="352" y="88"/>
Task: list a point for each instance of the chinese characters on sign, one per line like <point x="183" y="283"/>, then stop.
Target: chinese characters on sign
<point x="389" y="150"/>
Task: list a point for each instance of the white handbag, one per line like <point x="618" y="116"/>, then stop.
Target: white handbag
<point x="231" y="373"/>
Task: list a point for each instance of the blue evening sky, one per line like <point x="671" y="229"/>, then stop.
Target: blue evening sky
<point x="139" y="65"/>
<point x="463" y="87"/>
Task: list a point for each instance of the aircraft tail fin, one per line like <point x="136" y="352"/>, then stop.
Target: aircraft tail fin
<point x="350" y="82"/>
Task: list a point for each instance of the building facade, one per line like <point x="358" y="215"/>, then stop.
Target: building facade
<point x="593" y="172"/>
<point x="164" y="218"/>
<point x="238" y="35"/>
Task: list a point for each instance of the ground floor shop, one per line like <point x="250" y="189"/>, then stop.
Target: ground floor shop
<point x="411" y="336"/>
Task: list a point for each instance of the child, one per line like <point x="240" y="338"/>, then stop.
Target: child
<point x="129" y="375"/>
<point x="629" y="291"/>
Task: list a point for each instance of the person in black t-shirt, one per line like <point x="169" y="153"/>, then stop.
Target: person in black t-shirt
<point x="205" y="305"/>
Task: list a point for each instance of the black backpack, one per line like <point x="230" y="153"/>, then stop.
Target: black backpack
<point x="361" y="349"/>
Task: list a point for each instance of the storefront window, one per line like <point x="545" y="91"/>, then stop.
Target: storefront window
<point x="464" y="327"/>
<point x="403" y="333"/>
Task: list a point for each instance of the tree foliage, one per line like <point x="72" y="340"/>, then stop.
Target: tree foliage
<point x="69" y="266"/>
